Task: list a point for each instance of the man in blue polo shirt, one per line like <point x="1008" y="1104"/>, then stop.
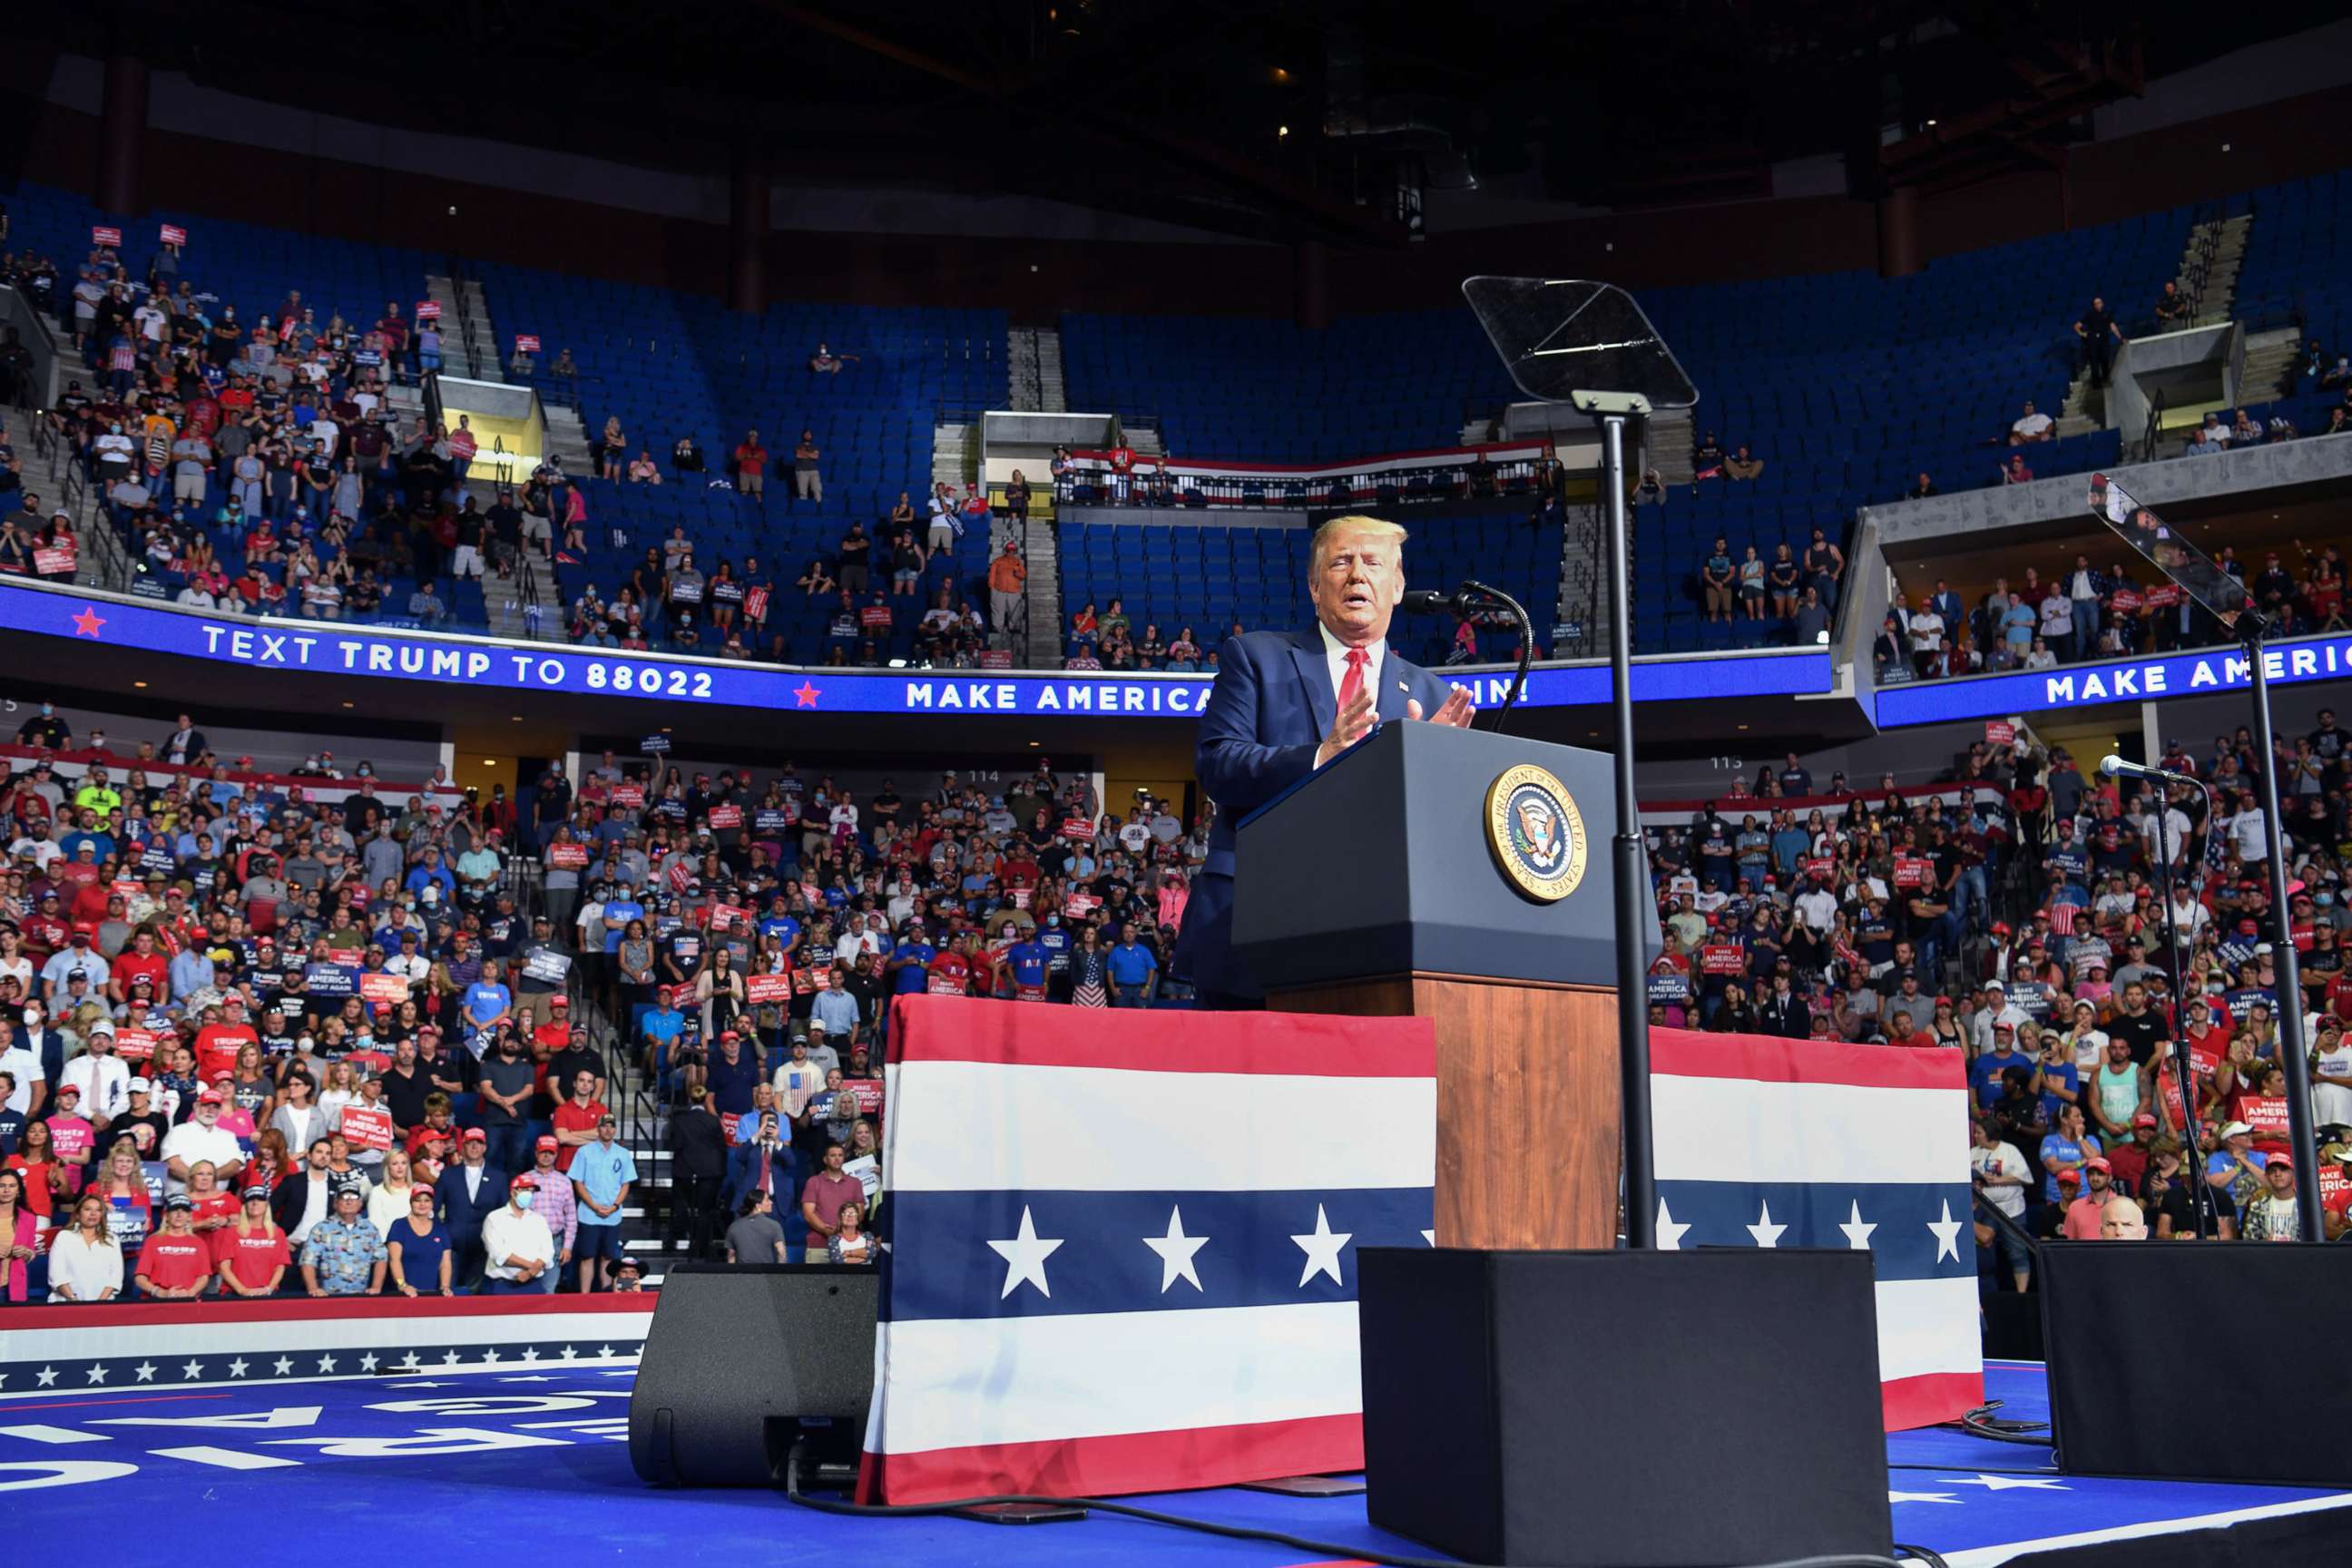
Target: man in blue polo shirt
<point x="1133" y="970"/>
<point x="660" y="1029"/>
<point x="1984" y="1073"/>
<point x="908" y="965"/>
<point x="601" y="1174"/>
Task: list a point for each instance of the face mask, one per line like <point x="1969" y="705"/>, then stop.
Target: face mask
<point x="2325" y="899"/>
<point x="522" y="1200"/>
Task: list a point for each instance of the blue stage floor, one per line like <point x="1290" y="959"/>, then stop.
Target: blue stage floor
<point x="374" y="1469"/>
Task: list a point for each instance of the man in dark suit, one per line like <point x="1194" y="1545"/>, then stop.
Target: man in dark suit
<point x="185" y="743"/>
<point x="1287" y="702"/>
<point x="469" y="1192"/>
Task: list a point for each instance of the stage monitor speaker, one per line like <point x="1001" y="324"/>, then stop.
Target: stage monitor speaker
<point x="1626" y="1409"/>
<point x="2115" y="1314"/>
<point x="741" y="1359"/>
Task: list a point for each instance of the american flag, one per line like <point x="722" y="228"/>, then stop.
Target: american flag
<point x="1124" y="1260"/>
<point x="1772" y="1142"/>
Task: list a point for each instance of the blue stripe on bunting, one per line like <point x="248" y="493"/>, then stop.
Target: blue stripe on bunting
<point x="1903" y="1246"/>
<point x="1103" y="1263"/>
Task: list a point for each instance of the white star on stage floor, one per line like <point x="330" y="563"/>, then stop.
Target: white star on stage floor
<point x="236" y="1368"/>
<point x="2011" y="1483"/>
<point x="1322" y="1248"/>
<point x="1766" y="1233"/>
<point x="531" y="1352"/>
<point x="604" y="1352"/>
<point x="1948" y="1234"/>
<point x="146" y="1371"/>
<point x="568" y="1352"/>
<point x="282" y="1365"/>
<point x="490" y="1355"/>
<point x="97" y="1372"/>
<point x="1670" y="1235"/>
<point x="367" y="1362"/>
<point x="450" y="1359"/>
<point x="410" y="1359"/>
<point x="1857" y="1234"/>
<point x="1176" y="1251"/>
<point x="1921" y="1497"/>
<point x="1025" y="1257"/>
<point x="196" y="1369"/>
<point x="326" y="1364"/>
<point x="49" y="1376"/>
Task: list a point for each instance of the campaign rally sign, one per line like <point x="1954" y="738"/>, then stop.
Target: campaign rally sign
<point x="55" y="560"/>
<point x="1723" y="958"/>
<point x="2001" y="732"/>
<point x="758" y="988"/>
<point x="173" y="234"/>
<point x="2266" y="1114"/>
<point x="1820" y="866"/>
<point x="106" y="236"/>
<point x="727" y="917"/>
<point x="366" y="1127"/>
<point x="2125" y="602"/>
<point x="379" y="986"/>
<point x="134" y="1045"/>
<point x="875" y="617"/>
<point x="1079" y="904"/>
<point x="2163" y="596"/>
<point x="1670" y="987"/>
<point x="868" y="1093"/>
<point x="331" y="979"/>
<point x="772" y="819"/>
<point x="629" y="797"/>
<point x="567" y="856"/>
<point x="727" y="816"/>
<point x="1077" y="827"/>
<point x="548" y="966"/>
<point x="655" y="745"/>
<point x="526" y="343"/>
<point x="428" y="310"/>
<point x="1910" y="871"/>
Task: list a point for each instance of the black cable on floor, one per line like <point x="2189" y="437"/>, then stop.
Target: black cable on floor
<point x="1922" y="1553"/>
<point x="1230" y="1531"/>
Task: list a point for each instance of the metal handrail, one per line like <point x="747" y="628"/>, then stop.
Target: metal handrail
<point x="2154" y="424"/>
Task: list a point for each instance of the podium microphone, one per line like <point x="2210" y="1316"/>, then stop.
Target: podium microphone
<point x="2112" y="765"/>
<point x="1430" y="602"/>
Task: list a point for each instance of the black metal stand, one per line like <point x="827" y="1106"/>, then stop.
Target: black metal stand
<point x="2192" y="1168"/>
<point x="2293" y="1058"/>
<point x="1527" y="645"/>
<point x="1632" y="866"/>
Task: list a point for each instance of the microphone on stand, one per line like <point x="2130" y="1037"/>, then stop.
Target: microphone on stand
<point x="2112" y="765"/>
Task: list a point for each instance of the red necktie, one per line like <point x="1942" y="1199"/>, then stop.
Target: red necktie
<point x="1353" y="686"/>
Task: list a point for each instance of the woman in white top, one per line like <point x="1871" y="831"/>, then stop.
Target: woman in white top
<point x="389" y="1202"/>
<point x="343" y="1089"/>
<point x="14" y="964"/>
<point x="85" y="1264"/>
<point x="298" y="1115"/>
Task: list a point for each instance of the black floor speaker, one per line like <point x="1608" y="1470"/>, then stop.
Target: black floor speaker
<point x="743" y="1359"/>
<point x="2115" y="1314"/>
<point x="1625" y="1409"/>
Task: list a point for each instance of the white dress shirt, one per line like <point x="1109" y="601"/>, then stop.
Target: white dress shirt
<point x="514" y="1233"/>
<point x="104" y="1082"/>
<point x="1335" y="659"/>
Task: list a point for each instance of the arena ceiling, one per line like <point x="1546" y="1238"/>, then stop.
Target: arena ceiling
<point x="1177" y="108"/>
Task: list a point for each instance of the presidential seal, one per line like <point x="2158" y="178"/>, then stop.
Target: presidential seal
<point x="1538" y="837"/>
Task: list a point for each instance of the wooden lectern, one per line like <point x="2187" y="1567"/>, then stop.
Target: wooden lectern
<point x="1416" y="875"/>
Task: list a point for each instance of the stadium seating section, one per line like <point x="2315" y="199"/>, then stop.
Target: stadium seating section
<point x="1847" y="385"/>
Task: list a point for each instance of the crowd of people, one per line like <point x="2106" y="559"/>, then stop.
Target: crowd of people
<point x="871" y="587"/>
<point x="2079" y="612"/>
<point x="257" y="464"/>
<point x="2016" y="911"/>
<point x="262" y="998"/>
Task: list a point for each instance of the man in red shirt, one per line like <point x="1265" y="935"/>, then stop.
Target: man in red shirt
<point x="821" y="1198"/>
<point x="751" y="466"/>
<point x="176" y="1264"/>
<point x="225" y="1033"/>
<point x="251" y="1257"/>
<point x="2087" y="1214"/>
<point x="577" y="1117"/>
<point x="141" y="959"/>
<point x="2128" y="1162"/>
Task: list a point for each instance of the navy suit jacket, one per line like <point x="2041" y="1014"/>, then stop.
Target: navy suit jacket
<point x="1267" y="714"/>
<point x="465" y="1215"/>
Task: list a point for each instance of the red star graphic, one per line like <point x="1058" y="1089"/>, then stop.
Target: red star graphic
<point x="85" y="625"/>
<point x="807" y="694"/>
